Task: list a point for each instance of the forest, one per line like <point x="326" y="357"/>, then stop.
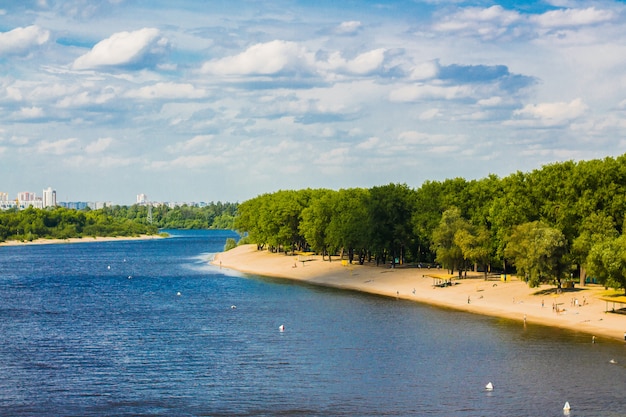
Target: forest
<point x="63" y="223"/>
<point x="561" y="222"/>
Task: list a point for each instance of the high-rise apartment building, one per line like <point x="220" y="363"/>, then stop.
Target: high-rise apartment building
<point x="49" y="197"/>
<point x="142" y="199"/>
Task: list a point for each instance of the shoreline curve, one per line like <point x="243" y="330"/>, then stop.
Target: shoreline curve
<point x="581" y="309"/>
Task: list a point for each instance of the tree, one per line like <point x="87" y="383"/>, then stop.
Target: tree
<point x="537" y="250"/>
<point x="348" y="228"/>
<point x="595" y="228"/>
<point x="475" y="244"/>
<point x="315" y="220"/>
<point x="390" y="211"/>
<point x="449" y="253"/>
<point x="607" y="262"/>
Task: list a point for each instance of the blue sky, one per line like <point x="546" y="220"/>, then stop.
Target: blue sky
<point x="226" y="100"/>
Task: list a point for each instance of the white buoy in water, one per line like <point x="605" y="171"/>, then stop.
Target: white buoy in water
<point x="281" y="328"/>
<point x="489" y="387"/>
<point x="566" y="407"/>
<point x="612" y="361"/>
<point x="233" y="307"/>
<point x="178" y="293"/>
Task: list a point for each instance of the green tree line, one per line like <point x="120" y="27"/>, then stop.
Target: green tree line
<point x="562" y="221"/>
<point x="214" y="215"/>
<point x="63" y="223"/>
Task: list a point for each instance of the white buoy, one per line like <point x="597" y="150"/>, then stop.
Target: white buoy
<point x="612" y="361"/>
<point x="566" y="407"/>
<point x="178" y="293"/>
<point x="489" y="387"/>
<point x="281" y="328"/>
<point x="233" y="307"/>
<point x="108" y="266"/>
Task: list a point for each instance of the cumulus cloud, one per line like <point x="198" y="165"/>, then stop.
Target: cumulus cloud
<point x="280" y="57"/>
<point x="29" y="113"/>
<point x="365" y="63"/>
<point x="573" y="17"/>
<point x="427" y="91"/>
<point x="348" y="28"/>
<point x="98" y="146"/>
<point x="167" y="91"/>
<point x="550" y="114"/>
<point x="199" y="142"/>
<point x="269" y="58"/>
<point x="59" y="147"/>
<point x="424" y="70"/>
<point x="20" y="41"/>
<point x="139" y="48"/>
<point x="487" y="23"/>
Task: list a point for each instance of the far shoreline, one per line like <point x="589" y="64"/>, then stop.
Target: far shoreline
<point x="581" y="310"/>
<point x="72" y="240"/>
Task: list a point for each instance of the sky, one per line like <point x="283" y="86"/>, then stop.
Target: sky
<point x="226" y="100"/>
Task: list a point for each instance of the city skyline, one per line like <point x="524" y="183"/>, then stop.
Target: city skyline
<point x="225" y="101"/>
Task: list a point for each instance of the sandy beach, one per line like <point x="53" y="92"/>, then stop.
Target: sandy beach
<point x="580" y="309"/>
<point x="76" y="240"/>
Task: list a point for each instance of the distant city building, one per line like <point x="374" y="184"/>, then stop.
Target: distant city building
<point x="75" y="205"/>
<point x="27" y="199"/>
<point x="49" y="197"/>
<point x="26" y="196"/>
<point x="142" y="199"/>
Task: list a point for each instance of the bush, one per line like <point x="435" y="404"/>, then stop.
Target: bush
<point x="230" y="244"/>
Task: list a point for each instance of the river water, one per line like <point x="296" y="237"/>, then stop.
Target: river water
<point x="148" y="328"/>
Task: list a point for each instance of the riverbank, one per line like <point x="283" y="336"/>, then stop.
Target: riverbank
<point x="77" y="240"/>
<point x="581" y="309"/>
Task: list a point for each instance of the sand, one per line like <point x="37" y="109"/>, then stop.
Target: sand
<point x="512" y="299"/>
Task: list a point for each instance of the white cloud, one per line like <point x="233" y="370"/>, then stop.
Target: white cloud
<point x="29" y="113"/>
<point x="85" y="98"/>
<point x="263" y="59"/>
<point x="573" y="17"/>
<point x="20" y="41"/>
<point x="59" y="147"/>
<point x="362" y="64"/>
<point x="369" y="143"/>
<point x="424" y="71"/>
<point x="167" y="91"/>
<point x="418" y="92"/>
<point x="124" y="48"/>
<point x="199" y="142"/>
<point x="98" y="146"/>
<point x="348" y="28"/>
<point x="487" y="23"/>
<point x="490" y="102"/>
<point x="553" y="113"/>
<point x="430" y="114"/>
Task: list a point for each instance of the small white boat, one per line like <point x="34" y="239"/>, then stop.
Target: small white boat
<point x="566" y="408"/>
<point x="281" y="328"/>
<point x="489" y="387"/>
